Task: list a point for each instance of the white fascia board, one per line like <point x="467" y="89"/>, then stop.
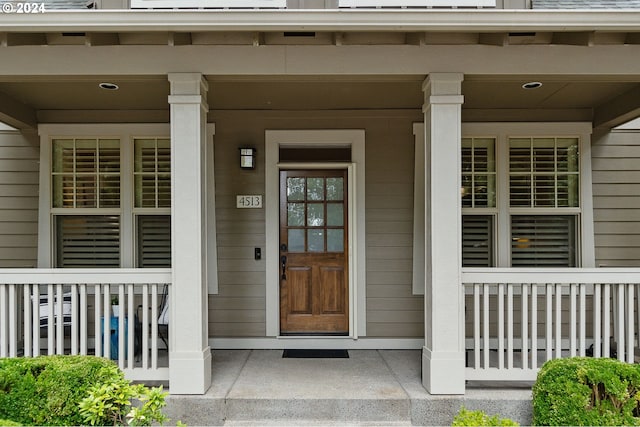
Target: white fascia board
<point x="143" y="4"/>
<point x="482" y="20"/>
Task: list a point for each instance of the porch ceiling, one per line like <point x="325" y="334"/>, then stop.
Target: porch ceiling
<point x="603" y="99"/>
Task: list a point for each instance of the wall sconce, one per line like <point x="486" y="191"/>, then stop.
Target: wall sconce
<point x="247" y="158"/>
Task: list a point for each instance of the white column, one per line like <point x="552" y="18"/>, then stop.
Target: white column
<point x="443" y="354"/>
<point x="189" y="355"/>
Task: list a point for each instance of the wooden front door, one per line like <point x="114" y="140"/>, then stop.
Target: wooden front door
<point x="314" y="283"/>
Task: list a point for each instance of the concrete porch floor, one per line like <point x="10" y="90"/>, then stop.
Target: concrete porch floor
<point x="371" y="387"/>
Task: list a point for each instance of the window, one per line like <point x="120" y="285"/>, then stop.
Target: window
<point x="478" y="192"/>
<point x="523" y="201"/>
<point x="152" y="194"/>
<point x="95" y="208"/>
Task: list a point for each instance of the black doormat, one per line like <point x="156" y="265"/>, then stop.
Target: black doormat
<point x="315" y="354"/>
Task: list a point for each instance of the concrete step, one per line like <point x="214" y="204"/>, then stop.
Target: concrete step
<point x="312" y="423"/>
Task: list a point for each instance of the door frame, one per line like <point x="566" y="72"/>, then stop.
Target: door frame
<point x="355" y="138"/>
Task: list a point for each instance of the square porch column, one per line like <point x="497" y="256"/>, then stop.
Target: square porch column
<point x="443" y="362"/>
<point x="189" y="352"/>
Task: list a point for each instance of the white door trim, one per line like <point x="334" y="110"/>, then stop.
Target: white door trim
<point x="357" y="283"/>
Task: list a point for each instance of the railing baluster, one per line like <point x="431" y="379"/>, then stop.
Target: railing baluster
<point x="98" y="325"/>
<point x="606" y="321"/>
<point x="485" y="325"/>
<point x="558" y="320"/>
<point x="583" y="320"/>
<point x="597" y="320"/>
<point x="145" y="326"/>
<point x="84" y="320"/>
<point x="131" y="327"/>
<point x="630" y="323"/>
<point x="4" y="330"/>
<point x="106" y="321"/>
<point x="501" y="326"/>
<point x="573" y="294"/>
<point x="534" y="326"/>
<point x="154" y="326"/>
<point x="524" y="324"/>
<point x="35" y="304"/>
<point x="28" y="327"/>
<point x="121" y="328"/>
<point x="510" y="326"/>
<point x="549" y="321"/>
<point x="13" y="326"/>
<point x="50" y="320"/>
<point x="476" y="325"/>
<point x="74" y="319"/>
<point x="620" y="321"/>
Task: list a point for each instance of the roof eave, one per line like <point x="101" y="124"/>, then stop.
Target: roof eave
<point x="401" y="20"/>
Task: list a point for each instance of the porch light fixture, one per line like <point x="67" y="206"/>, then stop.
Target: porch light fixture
<point x="247" y="158"/>
<point x="531" y="85"/>
<point x="108" y="86"/>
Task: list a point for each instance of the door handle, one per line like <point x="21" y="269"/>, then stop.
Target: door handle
<point x="283" y="261"/>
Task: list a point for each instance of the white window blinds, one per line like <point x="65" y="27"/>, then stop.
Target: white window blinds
<point x="154" y="241"/>
<point x="543" y="240"/>
<point x="87" y="241"/>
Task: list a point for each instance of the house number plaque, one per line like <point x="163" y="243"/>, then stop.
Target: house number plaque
<point x="249" y="202"/>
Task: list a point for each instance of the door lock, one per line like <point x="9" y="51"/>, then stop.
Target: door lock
<point x="283" y="261"/>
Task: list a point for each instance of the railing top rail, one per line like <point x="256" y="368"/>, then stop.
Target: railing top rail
<point x="20" y="276"/>
<point x="551" y="275"/>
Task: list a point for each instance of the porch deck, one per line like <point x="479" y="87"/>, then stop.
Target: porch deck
<point x="372" y="387"/>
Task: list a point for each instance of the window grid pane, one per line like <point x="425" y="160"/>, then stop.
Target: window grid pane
<point x="544" y="172"/>
<point x="85" y="173"/>
<point x="152" y="172"/>
<point x="478" y="173"/>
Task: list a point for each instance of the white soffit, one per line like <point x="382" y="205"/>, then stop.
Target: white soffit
<point x="630" y="125"/>
<point x="208" y="3"/>
<point x="6" y="127"/>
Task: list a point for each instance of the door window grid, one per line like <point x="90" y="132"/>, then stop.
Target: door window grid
<point x="315" y="214"/>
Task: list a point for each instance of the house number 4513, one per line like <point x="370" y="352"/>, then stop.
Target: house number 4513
<point x="247" y="201"/>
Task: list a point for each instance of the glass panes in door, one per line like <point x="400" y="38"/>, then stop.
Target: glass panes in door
<point x="315" y="211"/>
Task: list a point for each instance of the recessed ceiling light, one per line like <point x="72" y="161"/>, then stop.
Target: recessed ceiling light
<point x="109" y="86"/>
<point x="531" y="85"/>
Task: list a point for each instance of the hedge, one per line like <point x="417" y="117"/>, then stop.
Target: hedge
<point x="47" y="390"/>
<point x="586" y="391"/>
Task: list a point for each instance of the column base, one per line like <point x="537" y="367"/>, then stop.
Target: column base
<point x="443" y="372"/>
<point x="190" y="372"/>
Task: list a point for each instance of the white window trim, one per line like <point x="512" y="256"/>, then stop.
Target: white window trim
<point x="417" y="3"/>
<point x="146" y="4"/>
<point x="502" y="132"/>
<point x="357" y="254"/>
<point x="126" y="133"/>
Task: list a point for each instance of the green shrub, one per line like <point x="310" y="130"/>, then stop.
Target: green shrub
<point x="111" y="404"/>
<point x="47" y="390"/>
<point x="479" y="418"/>
<point x="8" y="423"/>
<point x="585" y="391"/>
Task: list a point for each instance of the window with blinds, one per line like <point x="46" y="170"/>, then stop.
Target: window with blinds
<point x="478" y="173"/>
<point x="154" y="241"/>
<point x="152" y="173"/>
<point x="84" y="241"/>
<point x="544" y="172"/>
<point x="85" y="173"/>
<point x="543" y="240"/>
<point x="477" y="241"/>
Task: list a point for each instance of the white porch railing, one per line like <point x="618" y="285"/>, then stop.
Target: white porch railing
<point x="68" y="311"/>
<point x="516" y="319"/>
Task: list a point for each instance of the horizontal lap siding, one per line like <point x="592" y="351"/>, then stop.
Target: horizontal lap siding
<point x="616" y="199"/>
<point x="19" y="158"/>
<point x="239" y="308"/>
